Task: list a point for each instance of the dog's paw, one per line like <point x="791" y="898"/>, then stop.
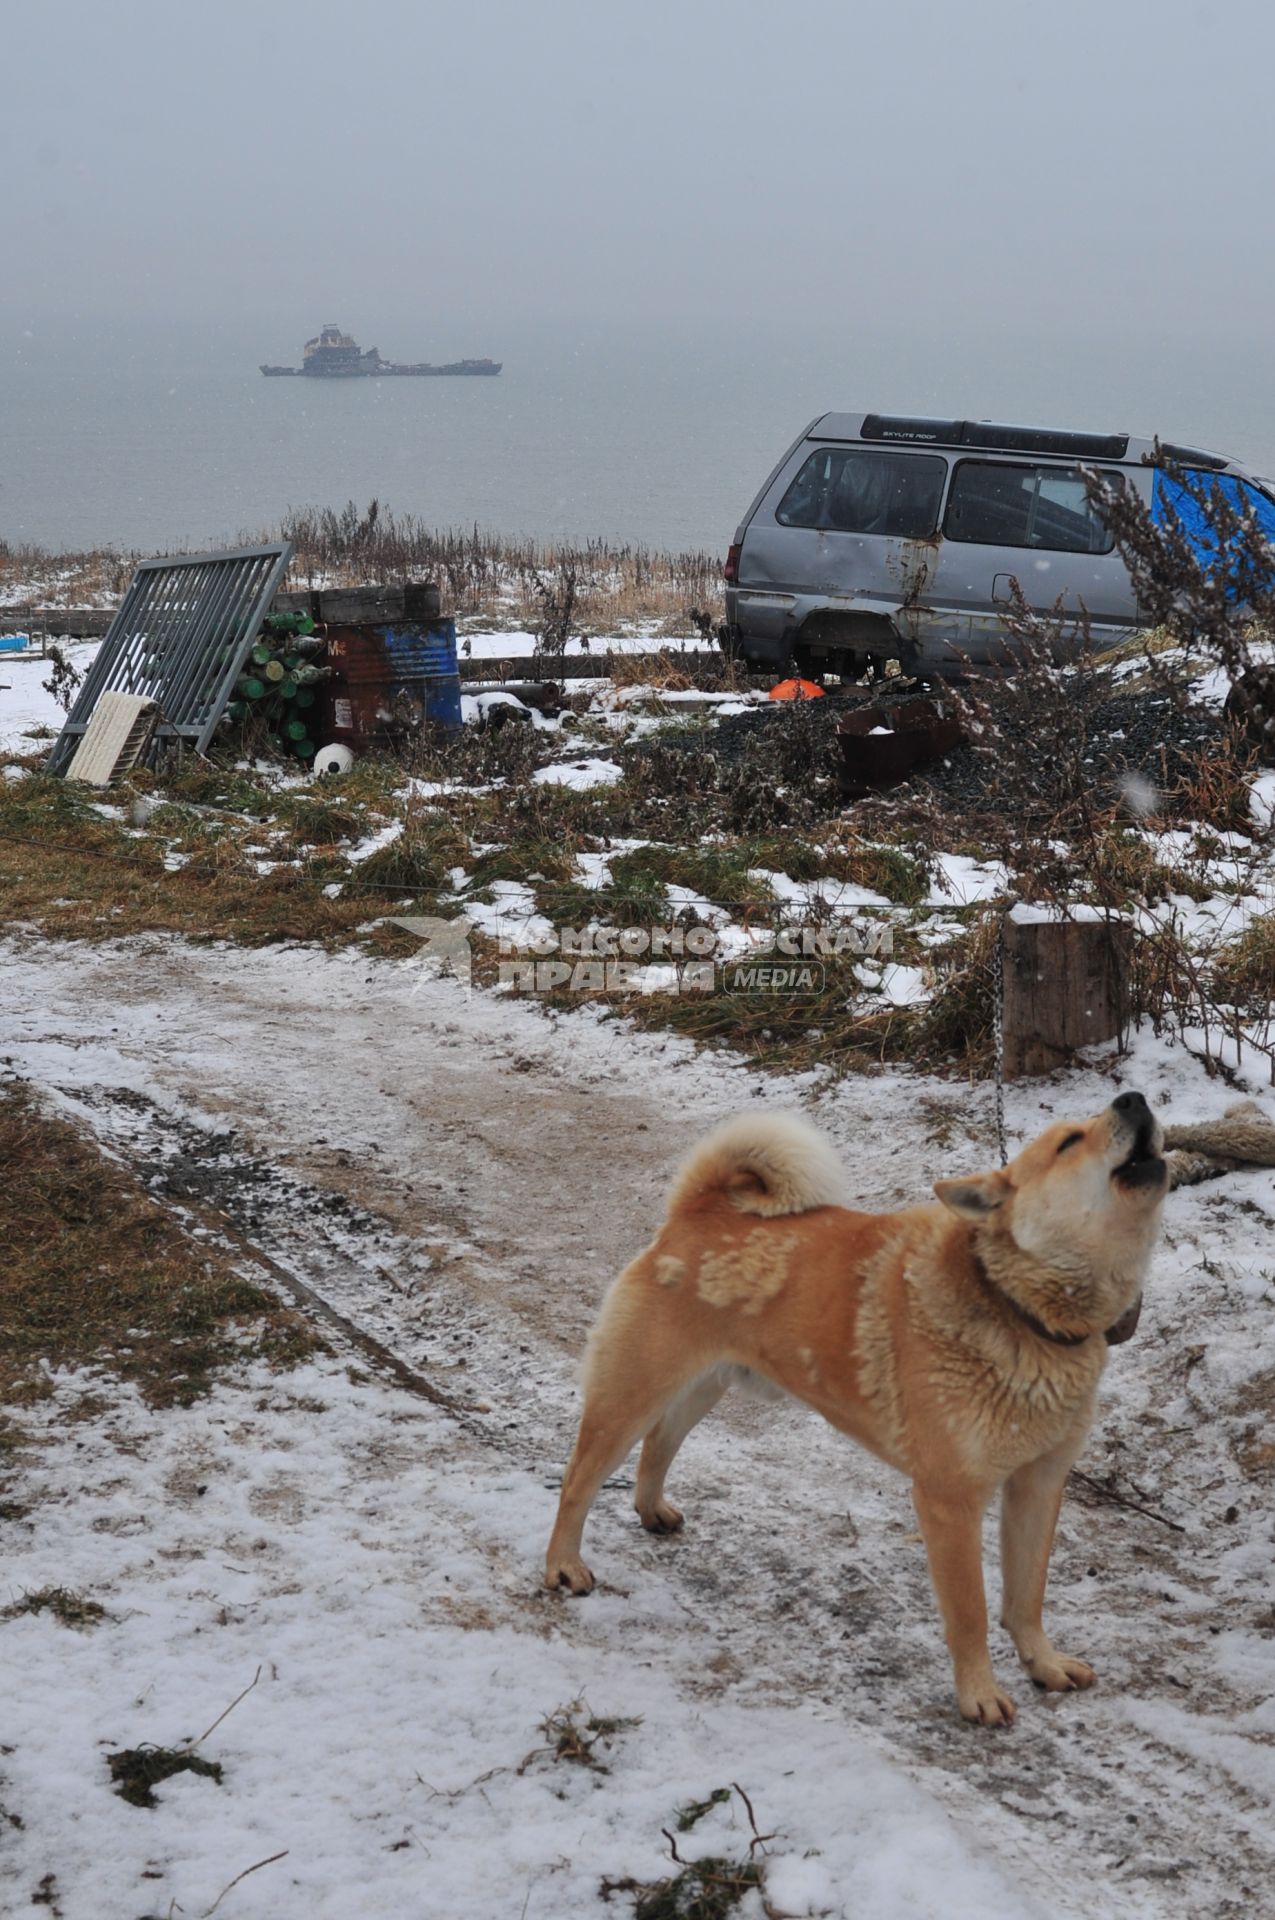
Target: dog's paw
<point x="985" y="1705"/>
<point x="1058" y="1673"/>
<point x="663" y="1517"/>
<point x="572" y="1574"/>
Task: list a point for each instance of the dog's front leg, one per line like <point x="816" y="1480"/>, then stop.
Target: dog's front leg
<point x="1029" y="1514"/>
<point x="951" y="1524"/>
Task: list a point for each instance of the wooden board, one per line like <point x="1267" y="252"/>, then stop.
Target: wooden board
<point x="417" y="602"/>
<point x="70" y="623"/>
<point x="1063" y="988"/>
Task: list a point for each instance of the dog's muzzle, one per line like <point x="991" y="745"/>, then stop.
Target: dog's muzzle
<point x="1143" y="1165"/>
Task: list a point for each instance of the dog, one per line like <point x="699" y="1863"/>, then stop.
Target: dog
<point x="961" y="1342"/>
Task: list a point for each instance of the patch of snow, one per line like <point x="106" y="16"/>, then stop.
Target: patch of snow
<point x="580" y="774"/>
<point x="1261" y="802"/>
<point x="511" y="916"/>
<point x="418" y="789"/>
<point x="962" y="881"/>
<point x="393" y="1738"/>
<point x="1026" y="914"/>
<point x="26" y="705"/>
<point x="839" y="896"/>
<point x="594" y="870"/>
<point x="384" y="837"/>
<point x="903" y="986"/>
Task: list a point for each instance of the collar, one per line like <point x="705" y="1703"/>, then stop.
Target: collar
<point x="1030" y="1321"/>
<point x="1115" y="1335"/>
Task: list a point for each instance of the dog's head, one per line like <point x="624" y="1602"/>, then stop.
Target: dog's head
<point x="1084" y="1199"/>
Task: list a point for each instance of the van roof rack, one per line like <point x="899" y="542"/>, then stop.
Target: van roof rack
<point x="1187" y="457"/>
<point x="999" y="439"/>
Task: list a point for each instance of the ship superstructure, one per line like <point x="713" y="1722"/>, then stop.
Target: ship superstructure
<point x="333" y="354"/>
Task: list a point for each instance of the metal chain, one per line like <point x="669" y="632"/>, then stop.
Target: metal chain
<point x="998" y="1036"/>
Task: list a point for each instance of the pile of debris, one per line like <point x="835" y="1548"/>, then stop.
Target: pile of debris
<point x="276" y="690"/>
<point x="1146" y="735"/>
<point x="1152" y="734"/>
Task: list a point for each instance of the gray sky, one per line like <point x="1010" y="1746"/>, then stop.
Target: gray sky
<point x="931" y="166"/>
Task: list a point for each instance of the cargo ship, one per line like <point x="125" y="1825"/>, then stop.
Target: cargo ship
<point x="335" y="355"/>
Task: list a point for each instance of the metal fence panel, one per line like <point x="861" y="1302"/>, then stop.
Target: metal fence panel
<point x="182" y="637"/>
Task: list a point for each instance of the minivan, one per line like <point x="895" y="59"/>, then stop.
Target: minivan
<point x="883" y="537"/>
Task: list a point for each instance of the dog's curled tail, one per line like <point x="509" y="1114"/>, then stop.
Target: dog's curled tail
<point x="766" y="1163"/>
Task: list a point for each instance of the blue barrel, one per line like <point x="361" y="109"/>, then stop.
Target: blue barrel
<point x="431" y="657"/>
<point x="428" y="657"/>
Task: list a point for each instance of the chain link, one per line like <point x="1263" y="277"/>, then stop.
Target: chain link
<point x="998" y="1036"/>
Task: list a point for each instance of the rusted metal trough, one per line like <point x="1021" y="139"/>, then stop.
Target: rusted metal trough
<point x="883" y="743"/>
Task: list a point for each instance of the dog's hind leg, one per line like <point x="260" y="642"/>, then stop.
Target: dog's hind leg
<point x="657" y="1514"/>
<point x="1029" y="1514"/>
<point x="626" y="1396"/>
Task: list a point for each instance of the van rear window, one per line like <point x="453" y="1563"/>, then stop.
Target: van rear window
<point x="994" y="504"/>
<point x="861" y="490"/>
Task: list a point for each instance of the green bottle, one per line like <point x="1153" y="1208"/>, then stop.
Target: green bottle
<point x="248" y="687"/>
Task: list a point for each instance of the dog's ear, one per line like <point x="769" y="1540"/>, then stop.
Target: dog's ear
<point x="974" y="1197"/>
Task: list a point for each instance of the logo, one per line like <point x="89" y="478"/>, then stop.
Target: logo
<point x="677" y="959"/>
<point x="671" y="959"/>
<point x="445" y="949"/>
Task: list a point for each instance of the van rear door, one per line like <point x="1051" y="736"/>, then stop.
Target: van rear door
<point x="843" y="523"/>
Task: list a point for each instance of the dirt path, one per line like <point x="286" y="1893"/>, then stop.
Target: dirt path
<point x="463" y="1178"/>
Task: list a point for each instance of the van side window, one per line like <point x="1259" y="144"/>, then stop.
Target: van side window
<point x="995" y="504"/>
<point x="857" y="490"/>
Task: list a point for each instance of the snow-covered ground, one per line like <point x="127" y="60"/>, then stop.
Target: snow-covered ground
<point x="378" y="1558"/>
<point x="460" y="1175"/>
<point x="26" y="705"/>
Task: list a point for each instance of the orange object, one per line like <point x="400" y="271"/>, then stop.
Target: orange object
<point x="796" y="690"/>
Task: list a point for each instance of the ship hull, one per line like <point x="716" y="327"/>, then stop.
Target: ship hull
<point x="387" y="370"/>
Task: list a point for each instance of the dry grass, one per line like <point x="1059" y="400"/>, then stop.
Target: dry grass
<point x="1243" y="971"/>
<point x="68" y="1608"/>
<point x="488" y="575"/>
<point x="485" y="577"/>
<point x="78" y="578"/>
<point x="75" y="874"/>
<point x="670" y="672"/>
<point x="575" y="1733"/>
<point x="1213" y="787"/>
<point x="710" y="1888"/>
<point x="137" y="1771"/>
<point x="98" y="1273"/>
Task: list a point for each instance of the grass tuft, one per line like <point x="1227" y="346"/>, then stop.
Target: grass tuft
<point x="137" y="1771"/>
<point x="574" y="1732"/>
<point x="71" y="1609"/>
<point x="707" y="1889"/>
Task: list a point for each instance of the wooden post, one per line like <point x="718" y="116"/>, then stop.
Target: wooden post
<point x="1063" y="986"/>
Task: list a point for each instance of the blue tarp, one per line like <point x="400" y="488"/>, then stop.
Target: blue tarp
<point x="1169" y="494"/>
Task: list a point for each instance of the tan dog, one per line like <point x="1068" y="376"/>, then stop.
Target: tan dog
<point x="962" y="1343"/>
